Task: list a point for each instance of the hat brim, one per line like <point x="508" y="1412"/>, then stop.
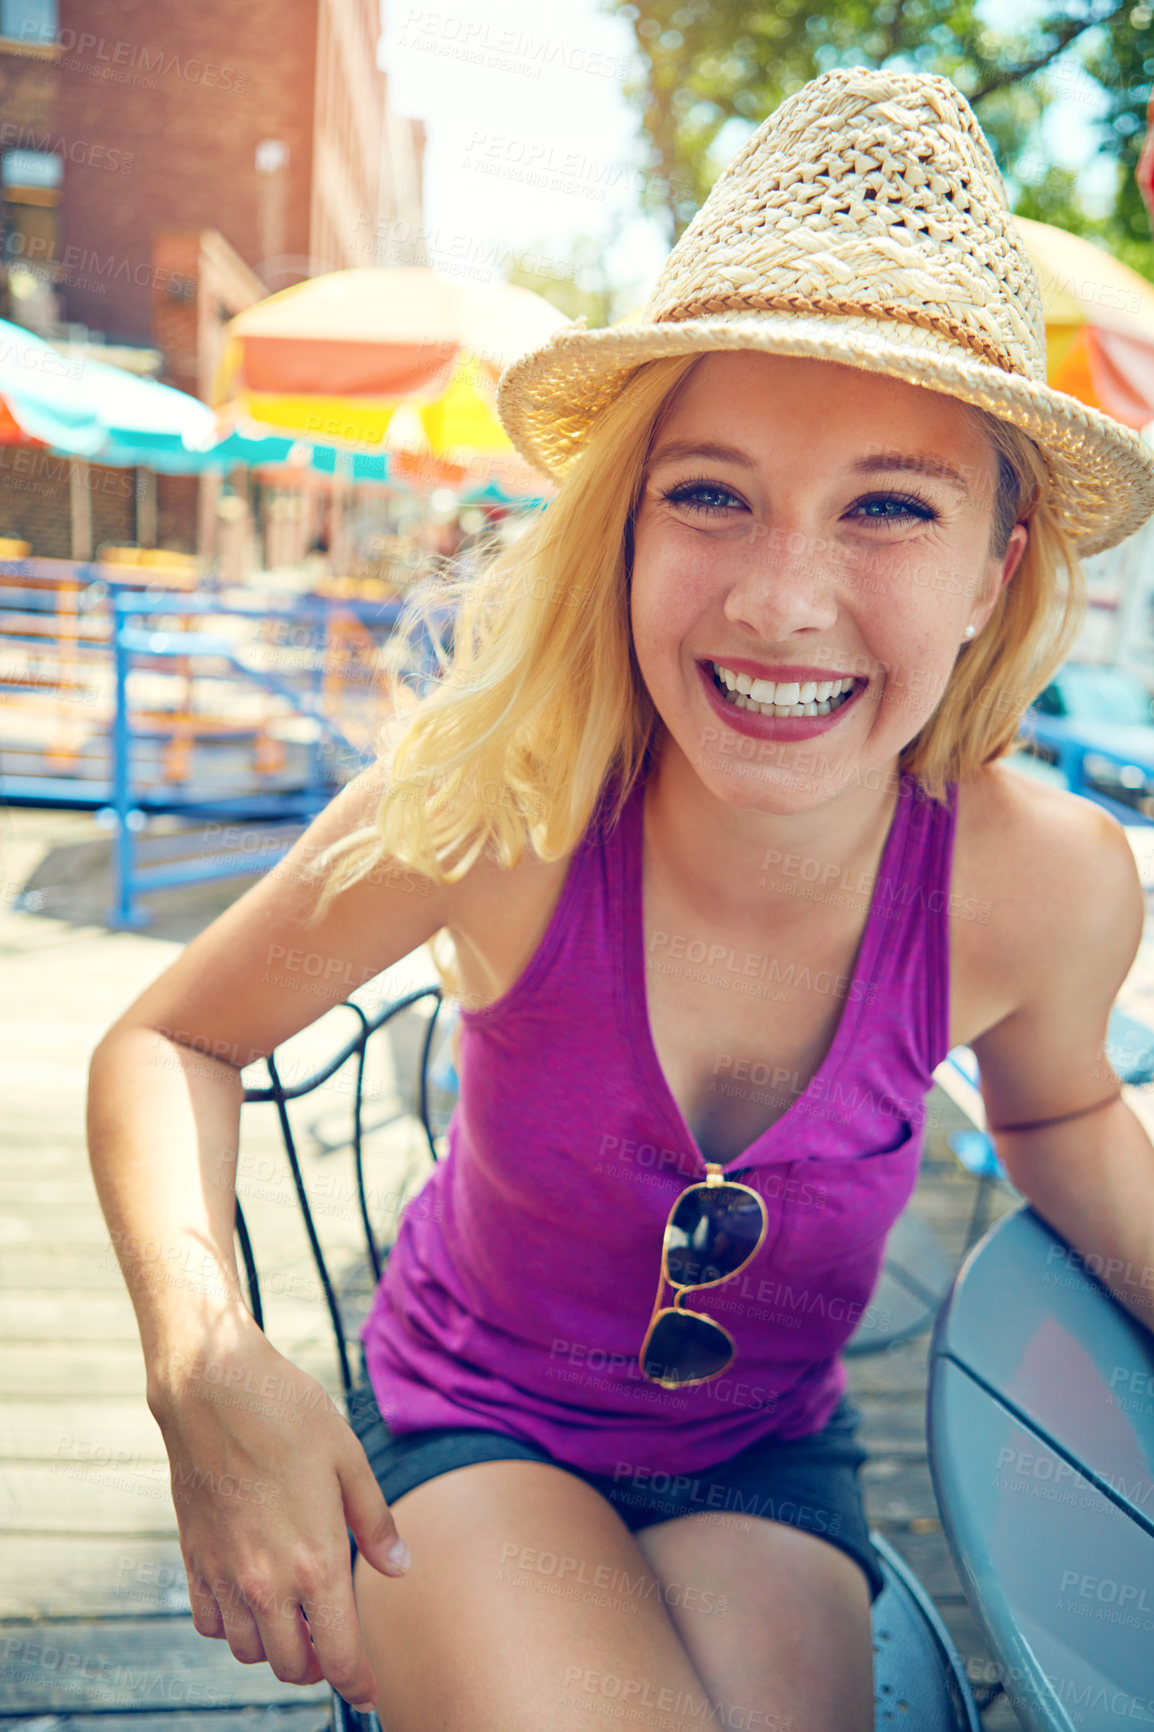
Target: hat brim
<point x="1103" y="472"/>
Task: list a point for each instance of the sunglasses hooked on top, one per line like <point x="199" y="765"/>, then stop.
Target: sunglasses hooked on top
<point x="714" y="1229"/>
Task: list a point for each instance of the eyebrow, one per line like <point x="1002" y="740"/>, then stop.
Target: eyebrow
<point x="882" y="462"/>
<point x="674" y="449"/>
<point x="918" y="463"/>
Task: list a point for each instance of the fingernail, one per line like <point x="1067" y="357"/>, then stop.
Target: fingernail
<point x="364" y="1707"/>
<point x="399" y="1554"/>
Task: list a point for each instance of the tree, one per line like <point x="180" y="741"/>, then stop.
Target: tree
<point x="707" y="64"/>
<point x="578" y="279"/>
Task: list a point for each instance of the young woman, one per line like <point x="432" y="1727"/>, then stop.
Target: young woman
<point x="709" y="804"/>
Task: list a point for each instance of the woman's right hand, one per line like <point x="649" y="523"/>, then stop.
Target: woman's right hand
<point x="266" y="1475"/>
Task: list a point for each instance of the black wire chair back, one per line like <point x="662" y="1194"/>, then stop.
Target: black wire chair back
<point x="280" y="1093"/>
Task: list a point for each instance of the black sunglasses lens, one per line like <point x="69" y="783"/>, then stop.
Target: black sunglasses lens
<point x="714" y="1230"/>
<point x="684" y="1348"/>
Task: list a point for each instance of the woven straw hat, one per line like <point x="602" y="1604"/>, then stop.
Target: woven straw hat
<point x="864" y="222"/>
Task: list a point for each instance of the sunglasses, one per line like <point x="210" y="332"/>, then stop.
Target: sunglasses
<point x="714" y="1229"/>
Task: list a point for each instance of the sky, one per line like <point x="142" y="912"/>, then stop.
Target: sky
<point x="531" y="142"/>
<point x="530" y="139"/>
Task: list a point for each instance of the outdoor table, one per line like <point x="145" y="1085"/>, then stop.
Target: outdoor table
<point x="1040" y="1415"/>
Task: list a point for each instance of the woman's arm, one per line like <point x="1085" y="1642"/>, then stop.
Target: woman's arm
<point x="266" y="1472"/>
<point x="1091" y="1177"/>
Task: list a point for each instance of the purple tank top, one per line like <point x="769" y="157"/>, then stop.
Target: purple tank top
<point x="524" y="1273"/>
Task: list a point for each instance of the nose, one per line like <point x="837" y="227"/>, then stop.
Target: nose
<point x="786" y="584"/>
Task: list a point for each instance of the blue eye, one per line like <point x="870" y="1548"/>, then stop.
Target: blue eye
<point x="896" y="508"/>
<point x="709" y="498"/>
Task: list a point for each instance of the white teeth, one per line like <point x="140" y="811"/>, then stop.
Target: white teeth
<point x="787" y="698"/>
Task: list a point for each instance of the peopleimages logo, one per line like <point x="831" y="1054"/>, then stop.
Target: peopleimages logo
<point x="129" y="63"/>
<point x="77" y="150"/>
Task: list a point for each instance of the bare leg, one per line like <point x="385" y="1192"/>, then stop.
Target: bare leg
<point x="529" y="1608"/>
<point x="775" y="1620"/>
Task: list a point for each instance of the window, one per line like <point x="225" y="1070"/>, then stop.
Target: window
<point x="29" y="20"/>
<point x="37" y="169"/>
<point x="31" y="181"/>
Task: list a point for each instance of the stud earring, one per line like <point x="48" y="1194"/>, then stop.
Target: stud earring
<point x="970" y="630"/>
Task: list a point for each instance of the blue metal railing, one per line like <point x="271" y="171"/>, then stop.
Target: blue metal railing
<point x="72" y="635"/>
<point x="331" y="749"/>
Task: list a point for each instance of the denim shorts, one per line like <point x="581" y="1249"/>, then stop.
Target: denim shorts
<point x="810" y="1483"/>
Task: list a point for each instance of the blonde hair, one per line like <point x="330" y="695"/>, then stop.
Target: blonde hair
<point x="541" y="701"/>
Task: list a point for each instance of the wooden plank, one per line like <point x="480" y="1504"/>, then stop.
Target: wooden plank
<point x="65" y="1271"/>
<point x="309" y="1717"/>
<point x="103" y="1317"/>
<point x="131" y="1663"/>
<point x="893" y="1425"/>
<point x="291" y="1298"/>
<point x="63" y="1497"/>
<point x="900" y="1370"/>
<point x="77" y="1430"/>
<point x="897" y="1491"/>
<point x="89" y="1576"/>
<point x="94" y="1268"/>
<point x="34" y="1370"/>
<point x="28" y="1369"/>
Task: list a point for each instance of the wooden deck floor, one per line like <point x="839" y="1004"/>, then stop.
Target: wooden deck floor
<point x="95" y="1628"/>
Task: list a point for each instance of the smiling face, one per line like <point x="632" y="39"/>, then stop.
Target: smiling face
<point x="802" y="525"/>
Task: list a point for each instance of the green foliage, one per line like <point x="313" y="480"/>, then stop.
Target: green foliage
<point x="713" y="69"/>
<point x="573" y="284"/>
<point x="579" y="280"/>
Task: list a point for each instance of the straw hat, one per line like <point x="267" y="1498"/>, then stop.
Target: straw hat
<point x="864" y="222"/>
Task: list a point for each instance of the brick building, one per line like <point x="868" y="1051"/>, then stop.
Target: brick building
<point x="164" y="165"/>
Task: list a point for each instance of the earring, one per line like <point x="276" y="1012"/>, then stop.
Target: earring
<point x="970" y="630"/>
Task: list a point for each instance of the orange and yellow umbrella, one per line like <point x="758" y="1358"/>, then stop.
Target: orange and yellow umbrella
<point x="335" y="358"/>
<point x="1099" y="323"/>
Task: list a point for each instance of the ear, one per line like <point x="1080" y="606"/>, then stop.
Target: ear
<point x="1000" y="571"/>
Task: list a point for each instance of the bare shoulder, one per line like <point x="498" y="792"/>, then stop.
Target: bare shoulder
<point x="497" y="917"/>
<point x="1054" y="872"/>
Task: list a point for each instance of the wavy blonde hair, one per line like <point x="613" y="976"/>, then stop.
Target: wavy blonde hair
<point x="541" y="700"/>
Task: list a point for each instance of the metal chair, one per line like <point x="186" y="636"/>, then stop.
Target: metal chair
<point x="280" y="1094"/>
<point x="1040" y="1412"/>
<point x="919" y="1680"/>
<point x="915" y="1278"/>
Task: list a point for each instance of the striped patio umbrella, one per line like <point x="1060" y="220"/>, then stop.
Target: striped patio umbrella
<point x="82" y="407"/>
<point x="337" y="358"/>
<point x="43" y="398"/>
